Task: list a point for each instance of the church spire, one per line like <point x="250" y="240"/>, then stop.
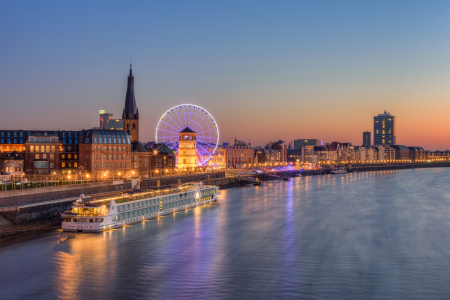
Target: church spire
<point x="130" y="110"/>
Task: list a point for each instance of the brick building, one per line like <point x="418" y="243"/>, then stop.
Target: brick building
<point x="163" y="159"/>
<point x="105" y="151"/>
<point x="42" y="154"/>
<point x="282" y="148"/>
<point x="11" y="140"/>
<point x="238" y="155"/>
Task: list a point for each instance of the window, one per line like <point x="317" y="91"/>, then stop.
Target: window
<point x="42" y="148"/>
<point x="31" y="149"/>
<point x="53" y="149"/>
<point x="63" y="156"/>
<point x="75" y="164"/>
<point x="51" y="165"/>
<point x="52" y="156"/>
<point x="41" y="164"/>
<point x="36" y="156"/>
<point x="184" y="161"/>
<point x="105" y="165"/>
<point x="47" y="149"/>
<point x="69" y="156"/>
<point x="63" y="164"/>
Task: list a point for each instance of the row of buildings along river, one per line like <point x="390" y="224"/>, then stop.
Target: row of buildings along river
<point x="114" y="150"/>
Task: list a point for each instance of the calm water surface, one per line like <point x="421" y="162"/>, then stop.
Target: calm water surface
<point x="378" y="235"/>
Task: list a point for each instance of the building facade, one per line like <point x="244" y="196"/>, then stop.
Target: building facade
<point x="187" y="149"/>
<point x="108" y="122"/>
<point x="282" y="148"/>
<point x="42" y="154"/>
<point x="163" y="160"/>
<point x="401" y="153"/>
<point x="367" y="138"/>
<point x="11" y="166"/>
<point x="219" y="158"/>
<point x="384" y="129"/>
<point x="238" y="156"/>
<point x="105" y="152"/>
<point x="11" y="140"/>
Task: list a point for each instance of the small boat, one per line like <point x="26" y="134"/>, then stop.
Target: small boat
<point x="286" y="179"/>
<point x="258" y="183"/>
<point x="340" y="170"/>
<point x="298" y="175"/>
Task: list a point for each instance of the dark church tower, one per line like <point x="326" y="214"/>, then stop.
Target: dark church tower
<point x="130" y="112"/>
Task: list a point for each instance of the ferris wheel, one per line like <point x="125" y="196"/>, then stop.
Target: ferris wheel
<point x="197" y="119"/>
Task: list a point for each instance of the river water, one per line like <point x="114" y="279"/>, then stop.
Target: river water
<point x="373" y="235"/>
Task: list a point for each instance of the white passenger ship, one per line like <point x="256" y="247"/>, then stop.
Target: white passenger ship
<point x="114" y="210"/>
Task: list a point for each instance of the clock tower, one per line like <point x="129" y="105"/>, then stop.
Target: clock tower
<point x="130" y="112"/>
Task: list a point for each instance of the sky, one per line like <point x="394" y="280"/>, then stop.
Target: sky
<point x="266" y="70"/>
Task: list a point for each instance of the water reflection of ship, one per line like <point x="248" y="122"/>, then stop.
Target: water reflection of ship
<point x="62" y="244"/>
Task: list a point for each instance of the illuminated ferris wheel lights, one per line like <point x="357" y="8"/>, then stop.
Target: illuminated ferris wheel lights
<point x="196" y="118"/>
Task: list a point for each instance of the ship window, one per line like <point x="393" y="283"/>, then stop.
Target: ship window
<point x="91" y="220"/>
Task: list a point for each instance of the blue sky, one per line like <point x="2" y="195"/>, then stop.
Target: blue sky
<point x="266" y="70"/>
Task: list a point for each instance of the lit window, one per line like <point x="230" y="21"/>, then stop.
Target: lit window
<point x="36" y="156"/>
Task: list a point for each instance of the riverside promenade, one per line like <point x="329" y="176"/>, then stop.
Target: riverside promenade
<point x="31" y="209"/>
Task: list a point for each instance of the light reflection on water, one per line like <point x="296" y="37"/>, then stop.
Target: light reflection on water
<point x="373" y="235"/>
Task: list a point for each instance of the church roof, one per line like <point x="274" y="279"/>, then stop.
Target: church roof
<point x="130" y="100"/>
<point x="187" y="130"/>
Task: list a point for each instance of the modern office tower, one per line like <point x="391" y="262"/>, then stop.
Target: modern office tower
<point x="300" y="142"/>
<point x="107" y="122"/>
<point x="384" y="132"/>
<point x="367" y="138"/>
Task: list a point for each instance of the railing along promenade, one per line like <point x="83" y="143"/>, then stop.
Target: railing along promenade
<point x="41" y="181"/>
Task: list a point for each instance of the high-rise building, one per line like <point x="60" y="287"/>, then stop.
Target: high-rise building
<point x="300" y="142"/>
<point x="108" y="122"/>
<point x="367" y="138"/>
<point x="130" y="111"/>
<point x="384" y="132"/>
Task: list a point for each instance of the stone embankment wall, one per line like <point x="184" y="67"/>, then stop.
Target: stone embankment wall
<point x="28" y="196"/>
<point x="35" y="211"/>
